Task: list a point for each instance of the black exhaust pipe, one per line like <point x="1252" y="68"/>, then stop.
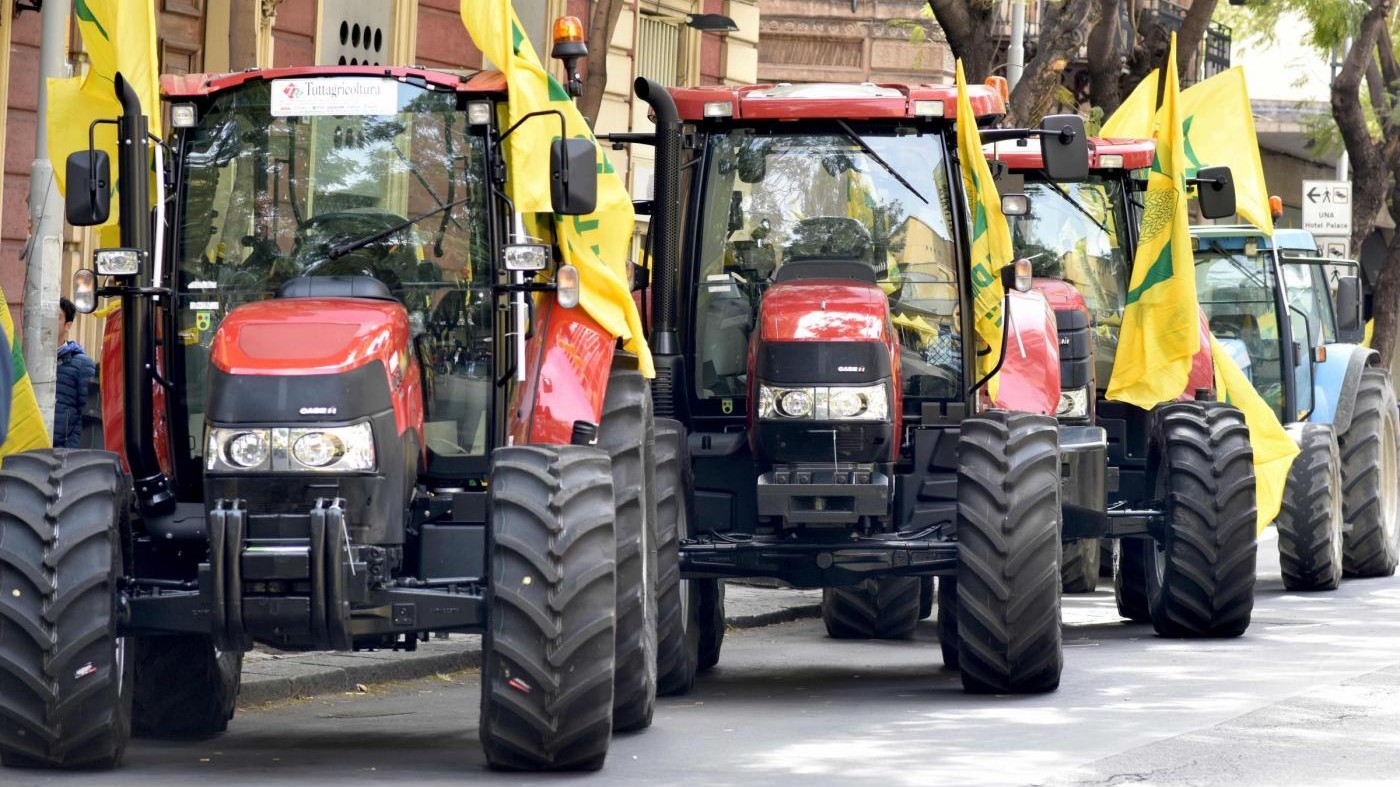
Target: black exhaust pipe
<point x="138" y="335"/>
<point x="665" y="217"/>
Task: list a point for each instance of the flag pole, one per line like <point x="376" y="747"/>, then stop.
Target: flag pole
<point x="43" y="254"/>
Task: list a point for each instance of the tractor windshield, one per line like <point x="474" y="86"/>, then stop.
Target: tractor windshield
<point x="277" y="174"/>
<point x="1073" y="233"/>
<point x="772" y="194"/>
<point x="1237" y="293"/>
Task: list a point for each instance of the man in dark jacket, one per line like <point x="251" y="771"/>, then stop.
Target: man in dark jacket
<point x="75" y="370"/>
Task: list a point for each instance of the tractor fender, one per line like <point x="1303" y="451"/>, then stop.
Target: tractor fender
<point x="1335" y="382"/>
<point x="1030" y="375"/>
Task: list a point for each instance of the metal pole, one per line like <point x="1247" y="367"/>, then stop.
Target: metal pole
<point x="44" y="253"/>
<point x="1016" y="52"/>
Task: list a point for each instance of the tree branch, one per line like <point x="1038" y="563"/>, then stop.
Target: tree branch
<point x="1188" y="40"/>
<point x="967" y="26"/>
<point x="1104" y="60"/>
<point x="1062" y="32"/>
<point x="1369" y="175"/>
<point x="601" y="25"/>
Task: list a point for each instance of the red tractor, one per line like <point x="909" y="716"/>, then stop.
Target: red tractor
<point x="1181" y="479"/>
<point x="349" y="405"/>
<point x="813" y="331"/>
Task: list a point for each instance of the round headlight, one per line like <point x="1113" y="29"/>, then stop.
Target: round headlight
<point x="248" y="449"/>
<point x="317" y="449"/>
<point x="795" y="404"/>
<point x="845" y="404"/>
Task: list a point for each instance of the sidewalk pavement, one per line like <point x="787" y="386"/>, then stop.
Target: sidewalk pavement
<point x="269" y="676"/>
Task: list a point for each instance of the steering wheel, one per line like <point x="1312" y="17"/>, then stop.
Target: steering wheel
<point x="389" y="259"/>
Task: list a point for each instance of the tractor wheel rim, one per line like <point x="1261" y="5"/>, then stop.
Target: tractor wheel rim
<point x="1390" y="483"/>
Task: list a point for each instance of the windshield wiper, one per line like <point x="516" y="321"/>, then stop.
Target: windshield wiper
<point x="336" y="252"/>
<point x="1239" y="265"/>
<point x="869" y="151"/>
<point x="1091" y="217"/>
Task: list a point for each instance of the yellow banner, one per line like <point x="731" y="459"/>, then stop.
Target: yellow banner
<point x="1273" y="448"/>
<point x="1161" y="325"/>
<point x="27" y="427"/>
<point x="991" y="237"/>
<point x="1217" y="129"/>
<point x="597" y="244"/>
<point x="122" y="43"/>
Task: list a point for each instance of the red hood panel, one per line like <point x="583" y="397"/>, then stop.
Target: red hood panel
<point x="819" y="310"/>
<point x="300" y="336"/>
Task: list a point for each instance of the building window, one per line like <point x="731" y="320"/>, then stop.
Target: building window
<point x="358" y="33"/>
<point x="659" y="50"/>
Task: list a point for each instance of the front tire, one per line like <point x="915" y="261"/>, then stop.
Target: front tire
<point x="65" y="677"/>
<point x="708" y="597"/>
<point x="185" y="687"/>
<point x="548" y="651"/>
<point x="948" y="620"/>
<point x="1079" y="565"/>
<point x="1008" y="573"/>
<point x="677" y="613"/>
<point x="627" y="433"/>
<point x="1310" y="536"/>
<point x="1135" y="560"/>
<point x="1201" y="578"/>
<point x="884" y="608"/>
<point x="1369" y="478"/>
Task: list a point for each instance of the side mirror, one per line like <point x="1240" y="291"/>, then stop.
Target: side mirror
<point x="1015" y="205"/>
<point x="89" y="198"/>
<point x="573" y="177"/>
<point x="1064" y="146"/>
<point x="1349" y="320"/>
<point x="1215" y="188"/>
<point x="1215" y="191"/>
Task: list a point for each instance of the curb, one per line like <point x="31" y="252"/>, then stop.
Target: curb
<point x="272" y="679"/>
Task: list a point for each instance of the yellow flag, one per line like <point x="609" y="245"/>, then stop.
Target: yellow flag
<point x="991" y="237"/>
<point x="1217" y="129"/>
<point x="122" y="43"/>
<point x="1218" y="126"/>
<point x="597" y="244"/>
<point x="1135" y="117"/>
<point x="1273" y="448"/>
<point x="27" y="427"/>
<point x="1161" y="326"/>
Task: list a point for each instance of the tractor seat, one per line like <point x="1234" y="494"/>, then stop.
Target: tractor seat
<point x="335" y="287"/>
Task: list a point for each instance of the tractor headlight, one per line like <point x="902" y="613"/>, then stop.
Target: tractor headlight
<point x="248" y="450"/>
<point x="833" y="403"/>
<point x="336" y="449"/>
<point x="1074" y="403"/>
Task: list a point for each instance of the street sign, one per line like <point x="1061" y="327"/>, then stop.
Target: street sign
<point x="1327" y="207"/>
<point x="1333" y="248"/>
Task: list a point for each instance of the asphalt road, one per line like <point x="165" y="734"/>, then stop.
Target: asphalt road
<point x="1310" y="695"/>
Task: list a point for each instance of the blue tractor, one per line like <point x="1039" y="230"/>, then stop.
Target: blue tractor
<point x="1289" y="318"/>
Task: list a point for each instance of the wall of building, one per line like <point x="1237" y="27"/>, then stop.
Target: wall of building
<point x="20" y="37"/>
<point x="832" y="41"/>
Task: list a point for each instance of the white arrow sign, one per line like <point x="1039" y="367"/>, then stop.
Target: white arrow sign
<point x="1327" y="207"/>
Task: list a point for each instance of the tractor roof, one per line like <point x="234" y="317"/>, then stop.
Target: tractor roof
<point x="1127" y="154"/>
<point x="177" y="86"/>
<point x="832" y="100"/>
<point x="1234" y="236"/>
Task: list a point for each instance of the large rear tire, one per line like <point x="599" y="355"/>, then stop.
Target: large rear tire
<point x="708" y="597"/>
<point x="65" y="677"/>
<point x="1009" y="554"/>
<point x="926" y="597"/>
<point x="627" y="434"/>
<point x="1309" y="522"/>
<point x="1135" y="559"/>
<point x="1201" y="582"/>
<point x="548" y="650"/>
<point x="1370" y="473"/>
<point x="185" y="687"/>
<point x="1079" y="565"/>
<point x="677" y="614"/>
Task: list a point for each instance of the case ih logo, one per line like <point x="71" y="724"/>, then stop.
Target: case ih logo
<point x="852" y="369"/>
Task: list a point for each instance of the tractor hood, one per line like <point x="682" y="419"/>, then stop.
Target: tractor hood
<point x="820" y="310"/>
<point x="306" y="336"/>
